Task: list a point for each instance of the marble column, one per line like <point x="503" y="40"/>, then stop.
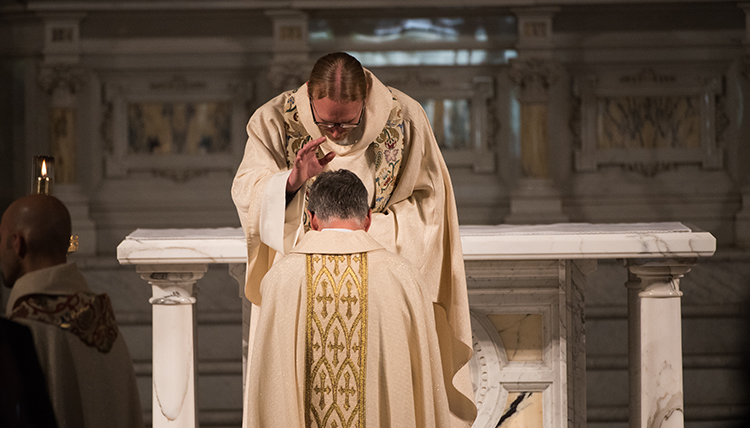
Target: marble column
<point x="535" y="200"/>
<point x="655" y="343"/>
<point x="174" y="349"/>
<point x="62" y="82"/>
<point x="62" y="78"/>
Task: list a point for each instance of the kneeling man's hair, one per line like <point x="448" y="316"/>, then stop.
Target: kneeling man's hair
<point x="338" y="194"/>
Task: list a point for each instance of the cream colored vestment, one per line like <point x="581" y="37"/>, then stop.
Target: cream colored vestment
<point x="414" y="212"/>
<point x="345" y="337"/>
<point x="88" y="388"/>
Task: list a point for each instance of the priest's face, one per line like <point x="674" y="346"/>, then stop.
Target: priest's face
<point x="337" y="119"/>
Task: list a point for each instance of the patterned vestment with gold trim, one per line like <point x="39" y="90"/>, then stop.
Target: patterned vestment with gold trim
<point x="336" y="340"/>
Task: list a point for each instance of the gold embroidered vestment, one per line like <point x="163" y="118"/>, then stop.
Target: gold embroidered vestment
<point x="336" y="340"/>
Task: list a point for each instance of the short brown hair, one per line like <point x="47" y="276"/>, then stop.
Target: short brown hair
<point x="339" y="77"/>
<point x="338" y="194"/>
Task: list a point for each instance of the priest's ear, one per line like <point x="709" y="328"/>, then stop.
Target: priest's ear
<point x="368" y="221"/>
<point x="314" y="221"/>
<point x="19" y="245"/>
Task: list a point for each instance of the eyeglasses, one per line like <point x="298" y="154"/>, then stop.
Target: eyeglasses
<point x="329" y="125"/>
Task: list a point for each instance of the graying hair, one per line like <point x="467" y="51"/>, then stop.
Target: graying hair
<point x="338" y="194"/>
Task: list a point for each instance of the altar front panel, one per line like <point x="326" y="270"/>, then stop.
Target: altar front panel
<point x="529" y="364"/>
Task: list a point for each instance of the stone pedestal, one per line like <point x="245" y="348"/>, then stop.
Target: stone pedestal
<point x="174" y="349"/>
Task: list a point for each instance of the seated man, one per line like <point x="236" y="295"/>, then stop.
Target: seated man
<point x="24" y="402"/>
<point x="346" y="331"/>
<point x="82" y="354"/>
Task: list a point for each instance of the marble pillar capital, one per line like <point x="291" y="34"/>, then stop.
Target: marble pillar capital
<point x="62" y="81"/>
<point x="661" y="279"/>
<point x="172" y="284"/>
<point x="534" y="77"/>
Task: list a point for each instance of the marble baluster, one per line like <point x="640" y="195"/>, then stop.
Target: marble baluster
<point x="634" y="349"/>
<point x="657" y="400"/>
<point x="174" y="350"/>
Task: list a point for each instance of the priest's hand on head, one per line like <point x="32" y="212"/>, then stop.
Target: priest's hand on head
<point x="307" y="165"/>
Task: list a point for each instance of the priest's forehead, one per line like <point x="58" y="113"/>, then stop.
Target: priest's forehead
<point x="339" y="77"/>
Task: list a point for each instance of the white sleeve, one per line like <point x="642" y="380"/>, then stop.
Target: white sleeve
<point x="280" y="224"/>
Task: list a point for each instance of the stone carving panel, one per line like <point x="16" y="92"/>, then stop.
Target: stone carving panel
<point x="648" y="121"/>
<point x="174" y="126"/>
<point x="179" y="128"/>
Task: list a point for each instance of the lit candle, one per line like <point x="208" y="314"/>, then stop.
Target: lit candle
<point x="43" y="174"/>
<point x="42" y="182"/>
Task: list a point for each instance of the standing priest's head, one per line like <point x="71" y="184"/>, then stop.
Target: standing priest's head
<point x="338" y="200"/>
<point x="337" y="90"/>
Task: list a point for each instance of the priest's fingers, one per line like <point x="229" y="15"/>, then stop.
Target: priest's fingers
<point x="327" y="158"/>
<point x="311" y="146"/>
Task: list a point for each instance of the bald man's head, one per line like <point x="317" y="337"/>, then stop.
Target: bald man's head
<point x="34" y="234"/>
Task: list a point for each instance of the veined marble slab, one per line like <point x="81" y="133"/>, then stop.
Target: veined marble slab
<point x="502" y="242"/>
<point x="183" y="246"/>
<point x="585" y="241"/>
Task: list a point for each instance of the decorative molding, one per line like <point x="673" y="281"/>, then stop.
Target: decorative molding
<point x="486" y="365"/>
<point x="178" y="82"/>
<point x="180" y="175"/>
<point x="650" y="169"/>
<point x="648" y="75"/>
<point x="413" y="78"/>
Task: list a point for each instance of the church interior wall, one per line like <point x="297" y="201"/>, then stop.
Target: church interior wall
<point x="185" y="52"/>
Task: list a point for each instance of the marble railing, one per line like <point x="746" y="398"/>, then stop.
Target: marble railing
<point x="526" y="295"/>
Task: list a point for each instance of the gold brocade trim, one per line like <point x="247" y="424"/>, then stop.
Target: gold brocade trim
<point x="336" y="340"/>
<point x="88" y="316"/>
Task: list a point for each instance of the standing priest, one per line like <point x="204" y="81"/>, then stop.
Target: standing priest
<point x="344" y="117"/>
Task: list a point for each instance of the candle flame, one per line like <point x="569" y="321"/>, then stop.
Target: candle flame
<point x="44" y="168"/>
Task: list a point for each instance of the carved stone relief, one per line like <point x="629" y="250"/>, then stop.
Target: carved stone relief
<point x="648" y="121"/>
<point x="174" y="126"/>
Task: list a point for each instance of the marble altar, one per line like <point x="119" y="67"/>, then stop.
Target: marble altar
<point x="526" y="292"/>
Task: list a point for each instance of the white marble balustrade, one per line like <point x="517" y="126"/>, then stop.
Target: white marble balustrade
<point x="533" y="273"/>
